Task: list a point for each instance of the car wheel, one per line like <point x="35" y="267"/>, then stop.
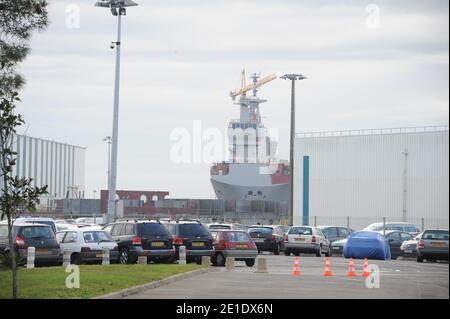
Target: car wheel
<point x="198" y="261"/>
<point x="75" y="259"/>
<point x="249" y="262"/>
<point x="220" y="260"/>
<point x="419" y="259"/>
<point x="328" y="252"/>
<point x="296" y="254"/>
<point x="319" y="252"/>
<point x="124" y="256"/>
<point x="287" y="252"/>
<point x="277" y="250"/>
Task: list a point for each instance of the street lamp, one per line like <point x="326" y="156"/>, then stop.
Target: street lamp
<point x="118" y="8"/>
<point x="293" y="78"/>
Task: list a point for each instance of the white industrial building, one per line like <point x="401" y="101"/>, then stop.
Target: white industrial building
<point x="60" y="166"/>
<point x="359" y="177"/>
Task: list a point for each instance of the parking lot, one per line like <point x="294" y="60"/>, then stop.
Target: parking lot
<point x="398" y="279"/>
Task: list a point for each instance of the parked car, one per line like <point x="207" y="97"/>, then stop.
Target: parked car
<point x="367" y="244"/>
<point x="267" y="238"/>
<point x="334" y="233"/>
<point x="409" y="247"/>
<point x="87" y="244"/>
<point x="194" y="236"/>
<point x="337" y="246"/>
<point x="90" y="220"/>
<point x="400" y="226"/>
<point x="433" y="245"/>
<point x="395" y="239"/>
<point x="27" y="235"/>
<point x="38" y="220"/>
<point x="215" y="226"/>
<point x="147" y="238"/>
<point x="306" y="239"/>
<point x="233" y="243"/>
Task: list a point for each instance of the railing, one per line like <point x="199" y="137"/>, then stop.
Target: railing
<point x="375" y="131"/>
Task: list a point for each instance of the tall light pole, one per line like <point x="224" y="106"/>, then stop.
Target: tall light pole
<point x="118" y="8"/>
<point x="293" y="78"/>
<point x="108" y="140"/>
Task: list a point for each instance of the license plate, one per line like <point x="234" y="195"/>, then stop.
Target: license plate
<point x="258" y="240"/>
<point x="335" y="248"/>
<point x="242" y="246"/>
<point x="408" y="251"/>
<point x="157" y="244"/>
<point x="438" y="244"/>
<point x="299" y="239"/>
<point x="99" y="255"/>
<point x="44" y="252"/>
<point x="198" y="244"/>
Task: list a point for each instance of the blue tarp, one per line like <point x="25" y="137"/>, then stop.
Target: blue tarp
<point x="367" y="244"/>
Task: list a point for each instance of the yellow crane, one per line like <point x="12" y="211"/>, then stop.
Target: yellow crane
<point x="245" y="88"/>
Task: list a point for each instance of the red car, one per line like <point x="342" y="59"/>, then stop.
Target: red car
<point x="233" y="243"/>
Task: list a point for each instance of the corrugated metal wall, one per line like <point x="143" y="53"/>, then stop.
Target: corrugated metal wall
<point x="361" y="175"/>
<point x="57" y="165"/>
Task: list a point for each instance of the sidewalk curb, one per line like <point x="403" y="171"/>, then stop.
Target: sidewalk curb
<point x="155" y="284"/>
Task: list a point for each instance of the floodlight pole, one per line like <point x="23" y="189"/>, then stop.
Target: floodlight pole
<point x="115" y="131"/>
<point x="293" y="78"/>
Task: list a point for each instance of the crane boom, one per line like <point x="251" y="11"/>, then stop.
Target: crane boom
<point x="245" y="88"/>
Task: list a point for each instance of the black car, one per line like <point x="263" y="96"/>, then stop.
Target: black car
<point x="334" y="233"/>
<point x="194" y="236"/>
<point x="27" y="235"/>
<point x="396" y="239"/>
<point x="267" y="238"/>
<point x="147" y="238"/>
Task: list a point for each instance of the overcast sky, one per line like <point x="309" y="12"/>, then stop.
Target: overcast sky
<point x="182" y="57"/>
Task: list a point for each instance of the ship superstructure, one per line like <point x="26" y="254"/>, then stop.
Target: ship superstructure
<point x="253" y="170"/>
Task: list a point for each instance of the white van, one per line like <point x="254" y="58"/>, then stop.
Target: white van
<point x="406" y="227"/>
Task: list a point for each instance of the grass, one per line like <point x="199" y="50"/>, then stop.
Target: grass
<point x="95" y="280"/>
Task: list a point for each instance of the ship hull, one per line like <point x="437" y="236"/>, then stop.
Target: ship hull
<point x="248" y="181"/>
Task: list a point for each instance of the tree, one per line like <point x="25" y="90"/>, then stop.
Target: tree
<point x="18" y="19"/>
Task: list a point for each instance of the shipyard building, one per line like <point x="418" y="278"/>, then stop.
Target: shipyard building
<point x="61" y="166"/>
<point x="358" y="177"/>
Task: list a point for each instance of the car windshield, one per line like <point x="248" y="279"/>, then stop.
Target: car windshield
<point x="219" y="227"/>
<point x="436" y="235"/>
<point x="152" y="229"/>
<point x="300" y="231"/>
<point x="237" y="236"/>
<point x="260" y="230"/>
<point x="43" y="222"/>
<point x="37" y="232"/>
<point x="96" y="236"/>
<point x="193" y="230"/>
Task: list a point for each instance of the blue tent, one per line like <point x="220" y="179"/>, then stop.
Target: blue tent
<point x="367" y="244"/>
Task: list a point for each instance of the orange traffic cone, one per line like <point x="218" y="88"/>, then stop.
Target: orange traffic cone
<point x="365" y="273"/>
<point x="296" y="271"/>
<point x="351" y="268"/>
<point x="327" y="271"/>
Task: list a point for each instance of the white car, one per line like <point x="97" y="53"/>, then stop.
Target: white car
<point x="400" y="226"/>
<point x="89" y="220"/>
<point x="86" y="244"/>
<point x="306" y="239"/>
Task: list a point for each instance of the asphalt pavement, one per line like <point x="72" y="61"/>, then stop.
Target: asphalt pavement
<point x="398" y="279"/>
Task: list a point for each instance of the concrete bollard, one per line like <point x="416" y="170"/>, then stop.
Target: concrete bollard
<point x="31" y="254"/>
<point x="142" y="260"/>
<point x="261" y="265"/>
<point x="206" y="261"/>
<point x="182" y="255"/>
<point x="229" y="263"/>
<point x="105" y="257"/>
<point x="66" y="258"/>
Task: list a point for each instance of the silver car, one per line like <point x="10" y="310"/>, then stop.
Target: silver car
<point x="306" y="239"/>
<point x="433" y="245"/>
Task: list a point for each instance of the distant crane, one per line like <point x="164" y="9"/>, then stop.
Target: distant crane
<point x="256" y="84"/>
